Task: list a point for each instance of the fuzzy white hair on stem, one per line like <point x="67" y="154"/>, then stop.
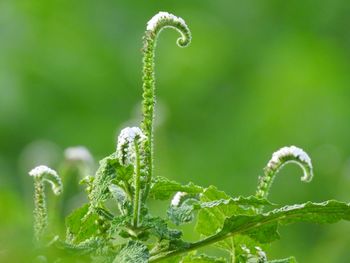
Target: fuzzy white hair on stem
<point x="155" y="25"/>
<point x="125" y="145"/>
<point x="295" y="155"/>
<point x="42" y="174"/>
<point x="177" y="198"/>
<point x="280" y="158"/>
<point x="161" y="16"/>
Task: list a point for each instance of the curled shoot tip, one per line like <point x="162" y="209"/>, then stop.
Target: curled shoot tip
<point x="46" y="174"/>
<point x="43" y="174"/>
<point x="178" y="198"/>
<point x="280" y="158"/>
<point x="126" y="144"/>
<point x="292" y="154"/>
<point x="154" y="26"/>
<point x="165" y="19"/>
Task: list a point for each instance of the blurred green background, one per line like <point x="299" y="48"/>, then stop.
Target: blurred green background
<point x="258" y="75"/>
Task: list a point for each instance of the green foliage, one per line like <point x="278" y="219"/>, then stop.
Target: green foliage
<point x="263" y="227"/>
<point x="163" y="188"/>
<point x="286" y="260"/>
<point x="217" y="214"/>
<point x="193" y="258"/>
<point x="133" y="252"/>
<point x="128" y="232"/>
<point x="106" y="173"/>
<point x="81" y="225"/>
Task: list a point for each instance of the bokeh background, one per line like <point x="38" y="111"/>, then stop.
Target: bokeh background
<point x="258" y="75"/>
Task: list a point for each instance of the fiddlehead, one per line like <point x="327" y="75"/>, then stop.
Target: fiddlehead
<point x="42" y="174"/>
<point x="280" y="158"/>
<point x="154" y="27"/>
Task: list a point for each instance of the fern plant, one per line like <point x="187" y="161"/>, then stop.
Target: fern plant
<point x="129" y="233"/>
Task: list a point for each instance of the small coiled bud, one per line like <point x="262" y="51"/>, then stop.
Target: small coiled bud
<point x="280" y="158"/>
<point x="176" y="201"/>
<point x="165" y="19"/>
<point x="46" y="174"/>
<point x="43" y="174"/>
<point x="126" y="144"/>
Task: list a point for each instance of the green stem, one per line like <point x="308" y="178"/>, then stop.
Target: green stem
<point x="42" y="174"/>
<point x="148" y="105"/>
<point x="206" y="242"/>
<point x="192" y="246"/>
<point x="232" y="257"/>
<point x="40" y="210"/>
<point x="308" y="212"/>
<point x="155" y="26"/>
<point x="137" y="197"/>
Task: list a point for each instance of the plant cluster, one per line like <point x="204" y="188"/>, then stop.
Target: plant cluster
<point x="115" y="225"/>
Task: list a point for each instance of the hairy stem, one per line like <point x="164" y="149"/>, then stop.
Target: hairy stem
<point x="40" y="210"/>
<point x="232" y="257"/>
<point x="155" y="25"/>
<point x="279" y="159"/>
<point x="137" y="197"/>
<point x="192" y="246"/>
<point x="42" y="174"/>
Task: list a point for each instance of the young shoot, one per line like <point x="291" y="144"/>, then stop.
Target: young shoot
<point x="157" y="23"/>
<point x="117" y="226"/>
<point x="131" y="150"/>
<point x="280" y="158"/>
<point x="42" y="174"/>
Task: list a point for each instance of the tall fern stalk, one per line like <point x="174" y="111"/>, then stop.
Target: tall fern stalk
<point x="154" y="27"/>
